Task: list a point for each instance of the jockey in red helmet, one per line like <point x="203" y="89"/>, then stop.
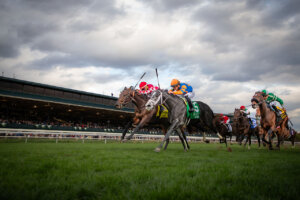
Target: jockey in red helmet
<point x="225" y="119"/>
<point x="244" y="110"/>
<point x="147" y="88"/>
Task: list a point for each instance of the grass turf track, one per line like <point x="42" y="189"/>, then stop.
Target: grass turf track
<point x="94" y="170"/>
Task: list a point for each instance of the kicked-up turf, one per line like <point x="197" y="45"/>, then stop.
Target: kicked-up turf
<point x="94" y="170"/>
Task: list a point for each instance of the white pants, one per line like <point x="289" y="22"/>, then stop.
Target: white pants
<point x="190" y="95"/>
<point x="229" y="127"/>
<point x="276" y="103"/>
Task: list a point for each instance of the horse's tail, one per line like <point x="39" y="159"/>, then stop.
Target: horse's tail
<point x="207" y="116"/>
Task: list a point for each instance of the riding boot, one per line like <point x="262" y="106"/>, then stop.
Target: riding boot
<point x="278" y="115"/>
<point x="190" y="104"/>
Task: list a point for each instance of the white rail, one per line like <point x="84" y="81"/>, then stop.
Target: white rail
<point x="57" y="134"/>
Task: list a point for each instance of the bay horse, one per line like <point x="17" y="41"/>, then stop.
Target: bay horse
<point x="221" y="128"/>
<point x="243" y="128"/>
<point x="142" y="117"/>
<point x="178" y="114"/>
<point x="268" y="121"/>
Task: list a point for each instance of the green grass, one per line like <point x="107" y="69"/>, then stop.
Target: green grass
<point x="94" y="170"/>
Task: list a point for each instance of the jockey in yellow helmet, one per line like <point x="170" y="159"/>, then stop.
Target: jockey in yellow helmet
<point x="183" y="89"/>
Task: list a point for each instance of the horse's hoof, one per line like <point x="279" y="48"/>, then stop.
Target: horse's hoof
<point x="229" y="149"/>
<point x="157" y="149"/>
<point x="248" y="148"/>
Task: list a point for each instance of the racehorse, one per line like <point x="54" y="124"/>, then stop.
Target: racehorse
<point x="221" y="128"/>
<point x="178" y="114"/>
<point x="268" y="121"/>
<point x="241" y="127"/>
<point x="142" y="116"/>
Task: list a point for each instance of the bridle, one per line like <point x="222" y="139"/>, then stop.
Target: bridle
<point x="151" y="102"/>
<point x="256" y="100"/>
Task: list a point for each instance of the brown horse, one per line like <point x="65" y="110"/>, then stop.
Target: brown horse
<point x="268" y="121"/>
<point x="221" y="128"/>
<point x="143" y="117"/>
<point x="241" y="128"/>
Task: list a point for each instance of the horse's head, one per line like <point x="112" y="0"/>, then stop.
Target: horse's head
<point x="257" y="99"/>
<point x="125" y="97"/>
<point x="237" y="115"/>
<point x="155" y="99"/>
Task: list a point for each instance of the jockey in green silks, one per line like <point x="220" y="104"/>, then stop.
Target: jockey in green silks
<point x="276" y="104"/>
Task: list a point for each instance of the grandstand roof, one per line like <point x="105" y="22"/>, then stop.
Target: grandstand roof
<point x="42" y="92"/>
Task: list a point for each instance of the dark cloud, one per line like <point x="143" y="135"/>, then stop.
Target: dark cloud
<point x="26" y="22"/>
<point x="270" y="43"/>
<point x="170" y="5"/>
<point x="8" y="47"/>
<point x="225" y="27"/>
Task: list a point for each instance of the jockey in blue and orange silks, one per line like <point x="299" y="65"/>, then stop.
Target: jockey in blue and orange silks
<point x="183" y="89"/>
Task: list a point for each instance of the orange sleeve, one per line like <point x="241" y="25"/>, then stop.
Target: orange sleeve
<point x="178" y="92"/>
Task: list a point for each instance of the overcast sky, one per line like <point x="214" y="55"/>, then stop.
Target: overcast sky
<point x="226" y="50"/>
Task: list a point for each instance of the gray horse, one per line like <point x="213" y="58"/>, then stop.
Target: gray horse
<point x="177" y="114"/>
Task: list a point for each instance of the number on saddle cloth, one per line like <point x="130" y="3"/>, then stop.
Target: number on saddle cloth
<point x="196" y="113"/>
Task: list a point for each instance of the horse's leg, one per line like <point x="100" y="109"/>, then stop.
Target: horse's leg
<point x="270" y="131"/>
<point x="181" y="139"/>
<point x="258" y="138"/>
<point x="167" y="141"/>
<point x="141" y="124"/>
<point x="241" y="139"/>
<point x="126" y="129"/>
<point x="278" y="141"/>
<point x="181" y="131"/>
<point x="246" y="140"/>
<point x="293" y="138"/>
<point x="249" y="145"/>
<point x="225" y="140"/>
<point x="166" y="145"/>
<point x="171" y="128"/>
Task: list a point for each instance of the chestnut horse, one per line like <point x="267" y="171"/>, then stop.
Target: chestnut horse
<point x="268" y="121"/>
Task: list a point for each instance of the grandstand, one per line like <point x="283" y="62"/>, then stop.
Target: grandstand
<point x="26" y="104"/>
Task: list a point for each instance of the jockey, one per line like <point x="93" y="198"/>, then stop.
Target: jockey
<point x="275" y="103"/>
<point x="251" y="115"/>
<point x="147" y="88"/>
<point x="183" y="89"/>
<point x="244" y="110"/>
<point x="225" y="119"/>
